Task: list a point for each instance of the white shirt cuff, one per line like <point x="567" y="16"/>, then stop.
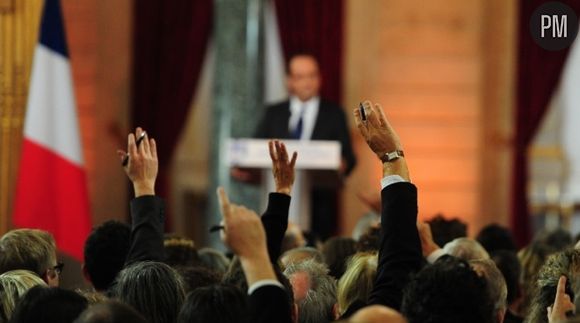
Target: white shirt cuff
<point x="391" y="179"/>
<point x="432" y="257"/>
<point x="262" y="283"/>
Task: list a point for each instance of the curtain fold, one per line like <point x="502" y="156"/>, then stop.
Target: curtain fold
<point x="169" y="45"/>
<point x="316" y="27"/>
<point x="538" y="75"/>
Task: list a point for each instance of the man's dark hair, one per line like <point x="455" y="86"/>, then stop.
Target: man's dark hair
<point x="336" y="252"/>
<point x="179" y="251"/>
<point x="218" y="304"/>
<point x="558" y="239"/>
<point x="152" y="288"/>
<point x="508" y="263"/>
<point x="105" y="251"/>
<point x="49" y="305"/>
<point x="300" y="53"/>
<point x="197" y="276"/>
<point x="444" y="230"/>
<point x="494" y="237"/>
<point x="370" y="241"/>
<point x="111" y="312"/>
<point x="449" y="291"/>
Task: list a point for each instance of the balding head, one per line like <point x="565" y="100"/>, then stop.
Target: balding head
<point x="377" y="314"/>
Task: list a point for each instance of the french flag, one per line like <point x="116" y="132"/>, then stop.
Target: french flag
<point x="51" y="192"/>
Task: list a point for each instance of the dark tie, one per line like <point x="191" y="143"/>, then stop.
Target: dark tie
<point x="297" y="132"/>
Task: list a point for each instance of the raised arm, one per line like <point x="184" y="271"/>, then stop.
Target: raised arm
<point x="400" y="248"/>
<point x="147" y="210"/>
<point x="275" y="219"/>
<point x="245" y="236"/>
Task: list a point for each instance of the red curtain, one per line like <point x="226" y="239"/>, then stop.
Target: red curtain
<point x="538" y="75"/>
<point x="316" y="27"/>
<point x="170" y="40"/>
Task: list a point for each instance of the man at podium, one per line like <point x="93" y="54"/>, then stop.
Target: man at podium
<point x="305" y="116"/>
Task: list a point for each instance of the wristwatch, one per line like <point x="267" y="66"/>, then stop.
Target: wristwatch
<point x="393" y="155"/>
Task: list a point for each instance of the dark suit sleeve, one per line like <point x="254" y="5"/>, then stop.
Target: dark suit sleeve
<point x="346" y="146"/>
<point x="400" y="249"/>
<point x="275" y="221"/>
<point x="147" y="215"/>
<point x="270" y="304"/>
<point x="263" y="128"/>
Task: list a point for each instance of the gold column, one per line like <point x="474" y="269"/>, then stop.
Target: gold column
<point x="19" y="22"/>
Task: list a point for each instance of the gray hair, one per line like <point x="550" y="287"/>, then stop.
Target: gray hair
<point x="301" y="254"/>
<point x="154" y="289"/>
<point x="466" y="249"/>
<point x="496" y="286"/>
<point x="317" y="305"/>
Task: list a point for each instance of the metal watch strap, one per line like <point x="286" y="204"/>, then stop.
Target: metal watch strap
<point x="393" y="155"/>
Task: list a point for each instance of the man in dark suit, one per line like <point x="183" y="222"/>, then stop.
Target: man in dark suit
<point x="305" y="116"/>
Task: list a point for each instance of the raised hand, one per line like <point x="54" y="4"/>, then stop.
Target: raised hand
<point x="381" y="138"/>
<point x="377" y="130"/>
<point x="562" y="304"/>
<point x="244" y="234"/>
<point x="142" y="166"/>
<point x="282" y="169"/>
<point x="243" y="231"/>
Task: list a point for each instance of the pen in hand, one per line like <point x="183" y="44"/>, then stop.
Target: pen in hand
<point x="126" y="159"/>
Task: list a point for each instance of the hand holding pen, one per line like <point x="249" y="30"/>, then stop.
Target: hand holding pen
<point x="141" y="164"/>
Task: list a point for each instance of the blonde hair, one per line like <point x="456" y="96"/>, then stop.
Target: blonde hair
<point x="13" y="285"/>
<point x="28" y="249"/>
<point x="357" y="282"/>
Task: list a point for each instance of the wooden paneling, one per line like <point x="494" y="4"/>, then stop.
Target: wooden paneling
<point x="19" y="22"/>
<point x="424" y="61"/>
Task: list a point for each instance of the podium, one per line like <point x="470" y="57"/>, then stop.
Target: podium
<point x="317" y="166"/>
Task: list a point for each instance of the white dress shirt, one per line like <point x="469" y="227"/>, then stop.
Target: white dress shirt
<point x="309" y="112"/>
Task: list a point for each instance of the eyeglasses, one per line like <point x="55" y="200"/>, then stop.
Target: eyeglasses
<point x="58" y="268"/>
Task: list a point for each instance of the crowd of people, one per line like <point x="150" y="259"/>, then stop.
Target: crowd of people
<point x="399" y="270"/>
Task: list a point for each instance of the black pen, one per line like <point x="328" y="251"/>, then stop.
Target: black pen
<point x="362" y="112"/>
<point x="141" y="137"/>
<point x="215" y="228"/>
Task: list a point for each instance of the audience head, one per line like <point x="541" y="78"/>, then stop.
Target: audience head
<point x="303" y="78"/>
<point x="298" y="255"/>
<point x="370" y="241"/>
<point x="30" y="249"/>
<point x="566" y="263"/>
<point x="197" y="276"/>
<point x="367" y="221"/>
<point x="496" y="285"/>
<point x="48" y="305"/>
<point x="377" y="314"/>
<point x="152" y="288"/>
<point x="293" y="238"/>
<point x="105" y="252"/>
<point x="449" y="291"/>
<point x="13" y="285"/>
<point x="111" y="311"/>
<point x="213" y="260"/>
<point x="494" y="237"/>
<point x="466" y="249"/>
<point x="444" y="230"/>
<point x="532" y="258"/>
<point x="357" y="282"/>
<point x="558" y="239"/>
<point x="314" y="291"/>
<point x="336" y="252"/>
<point x="180" y="251"/>
<point x="507" y="262"/>
<point x="217" y="303"/>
